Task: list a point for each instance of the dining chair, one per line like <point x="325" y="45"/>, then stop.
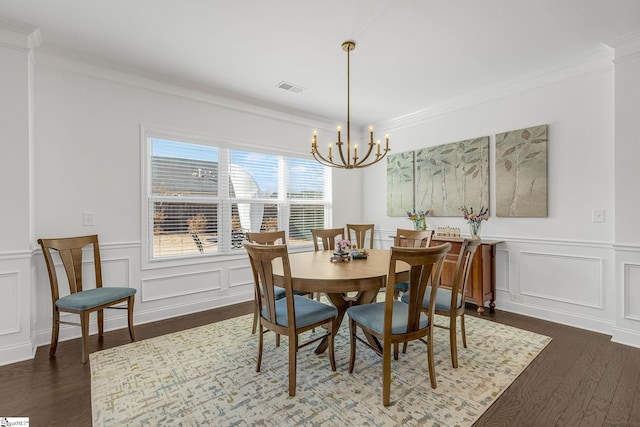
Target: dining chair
<point x="266" y="238"/>
<point x="395" y="322"/>
<point x="327" y="236"/>
<point x="289" y="316"/>
<point x="410" y="239"/>
<point x="80" y="301"/>
<point x="360" y="232"/>
<point x="451" y="302"/>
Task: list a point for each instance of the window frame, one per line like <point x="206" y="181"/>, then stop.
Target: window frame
<point x="223" y="199"/>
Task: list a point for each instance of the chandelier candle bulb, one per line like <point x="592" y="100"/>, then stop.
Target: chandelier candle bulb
<point x="330" y="155"/>
<point x="378" y="153"/>
<point x="338" y="133"/>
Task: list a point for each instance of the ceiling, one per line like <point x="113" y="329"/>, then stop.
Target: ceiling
<point x="411" y="55"/>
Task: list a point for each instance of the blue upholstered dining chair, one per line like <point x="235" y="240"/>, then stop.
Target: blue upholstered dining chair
<point x="410" y="239"/>
<point x="289" y="316"/>
<point x="451" y="302"/>
<point x="80" y="301"/>
<point x="266" y="238"/>
<point x="395" y="322"/>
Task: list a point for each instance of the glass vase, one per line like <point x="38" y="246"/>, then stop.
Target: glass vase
<point x="419" y="224"/>
<point x="474" y="229"/>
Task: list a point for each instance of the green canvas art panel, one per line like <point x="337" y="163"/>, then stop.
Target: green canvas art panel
<point x="452" y="175"/>
<point x="521" y="172"/>
<point x="400" y="183"/>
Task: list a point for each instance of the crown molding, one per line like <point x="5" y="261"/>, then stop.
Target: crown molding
<point x="73" y="62"/>
<point x="599" y="60"/>
<point x="18" y="35"/>
<point x="626" y="47"/>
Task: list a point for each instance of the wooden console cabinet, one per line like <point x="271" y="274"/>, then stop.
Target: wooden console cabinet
<point x="482" y="280"/>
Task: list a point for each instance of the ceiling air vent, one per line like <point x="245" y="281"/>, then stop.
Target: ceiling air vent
<point x="290" y="87"/>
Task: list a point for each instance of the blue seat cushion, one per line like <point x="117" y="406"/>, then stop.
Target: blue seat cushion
<point x="280" y="293"/>
<point x="401" y="287"/>
<point x="443" y="299"/>
<point x="308" y="311"/>
<point x="91" y="298"/>
<point x="277" y="291"/>
<point x="372" y="316"/>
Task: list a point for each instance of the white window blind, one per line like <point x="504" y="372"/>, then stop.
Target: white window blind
<point x="203" y="199"/>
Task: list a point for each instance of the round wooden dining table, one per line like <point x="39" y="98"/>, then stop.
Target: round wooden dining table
<point x="345" y="283"/>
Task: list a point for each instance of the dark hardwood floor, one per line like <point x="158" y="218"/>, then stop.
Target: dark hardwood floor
<point x="580" y="379"/>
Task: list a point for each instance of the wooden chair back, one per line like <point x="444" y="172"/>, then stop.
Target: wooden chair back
<point x="70" y="251"/>
<point x="327" y="236"/>
<point x="267" y="237"/>
<point x="425" y="268"/>
<point x="360" y="232"/>
<point x="463" y="270"/>
<point x="261" y="258"/>
<point x="413" y="238"/>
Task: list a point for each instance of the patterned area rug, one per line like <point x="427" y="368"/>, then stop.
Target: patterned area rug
<point x="206" y="376"/>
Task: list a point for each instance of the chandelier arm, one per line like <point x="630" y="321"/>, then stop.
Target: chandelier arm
<point x="319" y="157"/>
<point x="339" y="144"/>
<point x="366" y="156"/>
<point x="322" y="160"/>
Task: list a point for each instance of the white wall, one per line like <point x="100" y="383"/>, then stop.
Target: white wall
<point x="627" y="153"/>
<point x="16" y="279"/>
<point x="561" y="267"/>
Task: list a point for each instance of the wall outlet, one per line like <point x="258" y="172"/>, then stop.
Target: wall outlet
<point x="88" y="219"/>
<point x="597" y="215"/>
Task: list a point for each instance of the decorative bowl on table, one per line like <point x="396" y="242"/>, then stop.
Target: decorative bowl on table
<point x="359" y="254"/>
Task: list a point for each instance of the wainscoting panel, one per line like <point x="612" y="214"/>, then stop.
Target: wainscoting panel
<point x="11" y="304"/>
<point x="240" y="277"/>
<point x="566" y="278"/>
<point x="171" y="286"/>
<point x="632" y="291"/>
<point x="502" y="270"/>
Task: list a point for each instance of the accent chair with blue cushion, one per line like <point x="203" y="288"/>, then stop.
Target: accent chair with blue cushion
<point x="450" y="302"/>
<point x="410" y="239"/>
<point x="394" y="322"/>
<point x="265" y="238"/>
<point x="80" y="301"/>
<point x="289" y="316"/>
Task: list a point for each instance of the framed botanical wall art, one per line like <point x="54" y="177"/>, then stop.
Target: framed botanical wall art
<point x="400" y="183"/>
<point x="521" y="172"/>
<point x="453" y="175"/>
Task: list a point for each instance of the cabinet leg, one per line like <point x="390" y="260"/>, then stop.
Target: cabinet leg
<point x="492" y="307"/>
<point x="480" y="310"/>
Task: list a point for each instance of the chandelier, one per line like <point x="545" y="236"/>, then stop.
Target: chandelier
<point x="349" y="159"/>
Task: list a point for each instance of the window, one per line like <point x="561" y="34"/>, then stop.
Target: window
<point x="202" y="199"/>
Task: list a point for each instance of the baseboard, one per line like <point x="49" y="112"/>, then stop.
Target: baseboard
<point x="577" y="321"/>
<point x="17" y="353"/>
<point x="626" y="337"/>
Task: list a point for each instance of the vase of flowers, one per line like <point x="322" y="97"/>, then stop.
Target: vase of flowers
<point x="345" y="246"/>
<point x="474" y="219"/>
<point x="418" y="218"/>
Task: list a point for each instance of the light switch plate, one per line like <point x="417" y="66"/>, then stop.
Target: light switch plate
<point x="88" y="218"/>
<point x="597" y="215"/>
